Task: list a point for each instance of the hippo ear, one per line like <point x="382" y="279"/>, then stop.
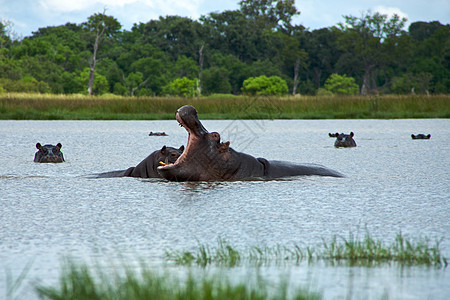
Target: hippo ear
<point x="59" y="145"/>
<point x="163" y="149"/>
<point x="224" y="146"/>
<point x="352" y="134"/>
<point x="181" y="148"/>
<point x="38" y="146"/>
<point x="337" y="133"/>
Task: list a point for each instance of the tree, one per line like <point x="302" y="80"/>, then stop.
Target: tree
<point x="175" y="35"/>
<point x="133" y="82"/>
<point x="323" y="54"/>
<point x="409" y="83"/>
<point x="102" y="26"/>
<point x="264" y="85"/>
<point x="236" y="70"/>
<point x="186" y="67"/>
<point x="231" y="32"/>
<point x="184" y="87"/>
<point x="5" y="29"/>
<point x="270" y="14"/>
<point x="366" y="41"/>
<point x="293" y="58"/>
<point x="431" y="46"/>
<point x="341" y="85"/>
<point x="100" y="85"/>
<point x="215" y="80"/>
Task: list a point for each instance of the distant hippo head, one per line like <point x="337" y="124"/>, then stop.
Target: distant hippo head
<point x="49" y="154"/>
<point x="345" y="140"/>
<point x="420" y="136"/>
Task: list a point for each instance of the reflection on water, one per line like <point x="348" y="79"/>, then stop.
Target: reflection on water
<point x="392" y="184"/>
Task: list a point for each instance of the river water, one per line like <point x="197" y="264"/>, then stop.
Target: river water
<point x="393" y="184"/>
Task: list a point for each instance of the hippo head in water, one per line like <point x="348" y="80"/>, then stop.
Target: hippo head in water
<point x="206" y="158"/>
<point x="344" y="140"/>
<point x="148" y="167"/>
<point x="420" y="136"/>
<point x="49" y="154"/>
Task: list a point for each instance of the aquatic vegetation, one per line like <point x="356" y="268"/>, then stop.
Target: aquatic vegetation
<point x="79" y="281"/>
<point x="352" y="250"/>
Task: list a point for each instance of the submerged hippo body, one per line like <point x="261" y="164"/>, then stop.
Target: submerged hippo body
<point x="344" y="140"/>
<point x="421" y="136"/>
<point x="206" y="158"/>
<point x="48" y="153"/>
<point x="148" y="167"/>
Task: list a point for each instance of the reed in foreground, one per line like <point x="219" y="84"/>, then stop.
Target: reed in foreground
<point x="78" y="281"/>
<point x="367" y="252"/>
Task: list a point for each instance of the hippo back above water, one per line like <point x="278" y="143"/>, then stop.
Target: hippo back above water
<point x="48" y="153"/>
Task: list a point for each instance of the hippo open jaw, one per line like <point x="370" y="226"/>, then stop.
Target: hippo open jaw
<point x="192" y="133"/>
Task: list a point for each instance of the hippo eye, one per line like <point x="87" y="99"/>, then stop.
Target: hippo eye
<point x="54" y="150"/>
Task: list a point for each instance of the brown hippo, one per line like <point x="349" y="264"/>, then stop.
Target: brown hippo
<point x="345" y="140"/>
<point x="420" y="136"/>
<point x="206" y="158"/>
<point x="49" y="153"/>
<point x="147" y="167"/>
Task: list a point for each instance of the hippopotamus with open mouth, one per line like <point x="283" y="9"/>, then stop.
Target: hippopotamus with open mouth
<point x="207" y="159"/>
<point x="49" y="153"/>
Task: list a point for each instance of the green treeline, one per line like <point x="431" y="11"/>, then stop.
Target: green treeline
<point x="253" y="50"/>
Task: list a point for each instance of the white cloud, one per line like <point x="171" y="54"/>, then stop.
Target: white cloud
<point x="390" y="11"/>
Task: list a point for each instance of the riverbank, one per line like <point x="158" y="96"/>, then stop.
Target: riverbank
<point x="80" y="107"/>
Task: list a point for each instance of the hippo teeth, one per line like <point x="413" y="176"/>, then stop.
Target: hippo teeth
<point x="165" y="163"/>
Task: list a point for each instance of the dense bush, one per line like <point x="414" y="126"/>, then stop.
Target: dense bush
<point x="263" y="85"/>
<point x="341" y="85"/>
<point x="183" y="87"/>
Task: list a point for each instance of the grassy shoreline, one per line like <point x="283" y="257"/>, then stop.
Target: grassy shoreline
<point x="79" y="107"/>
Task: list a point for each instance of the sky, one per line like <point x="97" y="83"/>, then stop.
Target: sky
<point x="28" y="16"/>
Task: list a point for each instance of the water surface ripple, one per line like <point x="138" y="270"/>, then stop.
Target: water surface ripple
<point x="392" y="184"/>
